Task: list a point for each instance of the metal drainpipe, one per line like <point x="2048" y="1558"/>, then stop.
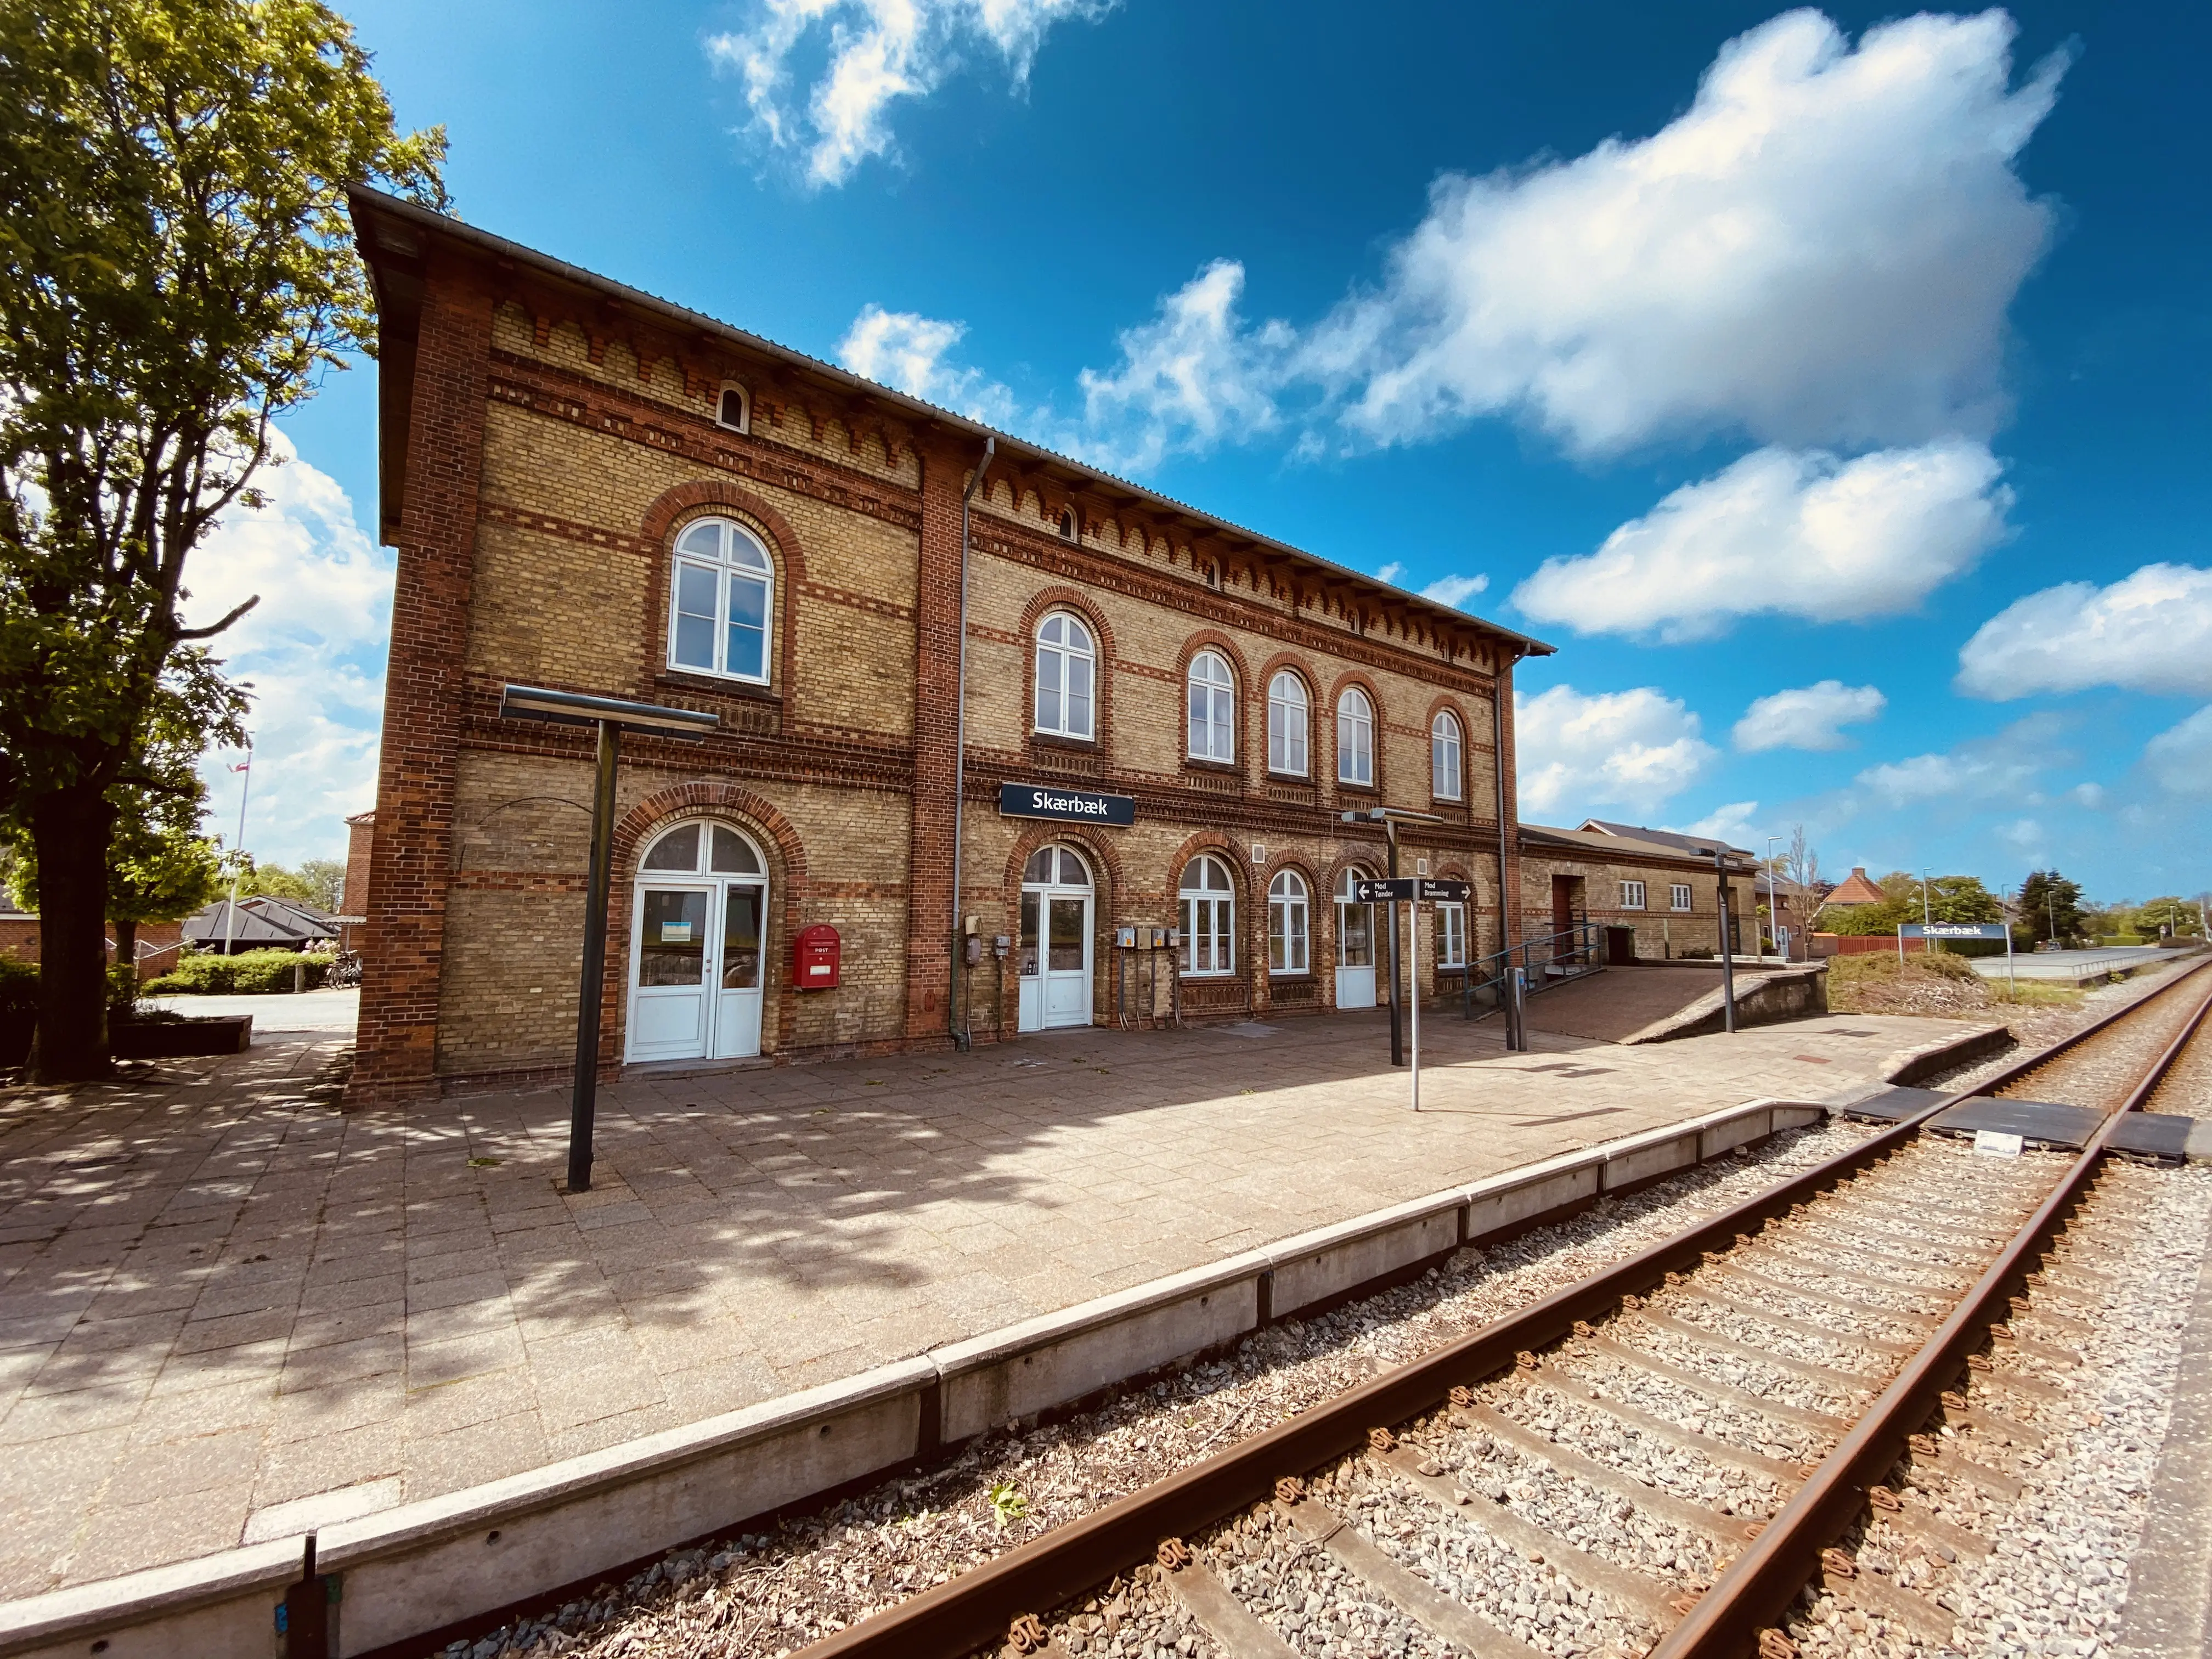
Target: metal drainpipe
<point x="954" y="1024"/>
<point x="1498" y="770"/>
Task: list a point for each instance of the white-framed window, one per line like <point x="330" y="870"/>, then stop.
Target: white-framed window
<point x="1451" y="934"/>
<point x="1068" y="527"/>
<point x="733" y="407"/>
<point x="1065" y="664"/>
<point x="1355" y="737"/>
<point x="1444" y="755"/>
<point x="1288" y="709"/>
<point x="1209" y="917"/>
<point x="1678" y="896"/>
<point x="1213" y="708"/>
<point x="1287" y="923"/>
<point x="1631" y="895"/>
<point x="721" y="600"/>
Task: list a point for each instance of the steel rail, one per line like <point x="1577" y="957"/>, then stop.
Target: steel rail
<point x="974" y="1609"/>
<point x="1754" y="1590"/>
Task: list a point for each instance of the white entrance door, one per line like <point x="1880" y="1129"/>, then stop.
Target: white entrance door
<point x="697" y="945"/>
<point x="1355" y="945"/>
<point x="672" y="980"/>
<point x="1056" y="940"/>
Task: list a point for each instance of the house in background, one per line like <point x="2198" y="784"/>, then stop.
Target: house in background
<point x="1854" y="889"/>
<point x="1660" y="884"/>
<point x="264" y="924"/>
<point x="19" y="938"/>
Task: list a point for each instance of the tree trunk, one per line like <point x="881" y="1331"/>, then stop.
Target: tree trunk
<point x="71" y="830"/>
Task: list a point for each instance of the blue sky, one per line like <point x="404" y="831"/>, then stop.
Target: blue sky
<point x="1831" y="388"/>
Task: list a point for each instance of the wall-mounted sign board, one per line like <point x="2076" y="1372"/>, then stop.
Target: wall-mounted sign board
<point x="1039" y="801"/>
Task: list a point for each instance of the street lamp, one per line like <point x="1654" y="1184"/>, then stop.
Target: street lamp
<point x="612" y="716"/>
<point x="1390" y="817"/>
<point x="1927" y="917"/>
<point x="1728" y="946"/>
<point x="1773" y="909"/>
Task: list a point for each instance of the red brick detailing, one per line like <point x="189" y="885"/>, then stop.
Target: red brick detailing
<point x="936" y="687"/>
<point x="402" y="945"/>
<point x="1241" y="700"/>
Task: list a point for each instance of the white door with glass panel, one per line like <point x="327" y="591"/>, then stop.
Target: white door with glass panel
<point x="696" y="939"/>
<point x="1054" y="957"/>
<point x="1355" y="944"/>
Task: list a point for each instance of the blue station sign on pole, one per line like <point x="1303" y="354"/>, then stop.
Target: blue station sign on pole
<point x="1924" y="931"/>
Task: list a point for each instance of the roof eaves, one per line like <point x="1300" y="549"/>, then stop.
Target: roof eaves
<point x="360" y="198"/>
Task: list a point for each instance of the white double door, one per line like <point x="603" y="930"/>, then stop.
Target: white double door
<point x="694" y="971"/>
<point x="1355" y="946"/>
<point x="1055" y="958"/>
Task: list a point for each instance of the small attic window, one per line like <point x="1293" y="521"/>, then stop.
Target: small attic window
<point x="733" y="409"/>
<point x="1212" y="574"/>
<point x="1068" y="523"/>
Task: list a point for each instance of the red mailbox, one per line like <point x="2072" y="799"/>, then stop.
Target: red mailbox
<point x="814" y="958"/>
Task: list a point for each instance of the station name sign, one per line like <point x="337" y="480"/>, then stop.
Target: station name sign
<point x="1952" y="930"/>
<point x="1037" y="800"/>
<point x="1419" y="888"/>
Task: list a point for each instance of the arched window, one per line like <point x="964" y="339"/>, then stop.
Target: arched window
<point x="1056" y="866"/>
<point x="733" y="409"/>
<point x="721" y="601"/>
<point x="1287" y="923"/>
<point x="1068" y="523"/>
<point x="1444" y="756"/>
<point x="1213" y="708"/>
<point x="1209" y="917"/>
<point x="1287" y="709"/>
<point x="1355" y="739"/>
<point x="1065" y="660"/>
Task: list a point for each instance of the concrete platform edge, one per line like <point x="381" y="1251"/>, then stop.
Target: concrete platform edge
<point x="427" y="1566"/>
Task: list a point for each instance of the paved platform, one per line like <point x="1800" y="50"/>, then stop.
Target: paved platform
<point x="229" y="1310"/>
<point x="1619" y="1002"/>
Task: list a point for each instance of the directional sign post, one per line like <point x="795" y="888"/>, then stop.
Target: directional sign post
<point x="1924" y="931"/>
<point x="1413" y="891"/>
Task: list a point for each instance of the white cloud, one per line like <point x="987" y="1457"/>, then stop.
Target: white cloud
<point x="1634" y="750"/>
<point x="1820" y="250"/>
<point x="1732" y="823"/>
<point x="1189" y="378"/>
<point x="1390" y="572"/>
<point x="1808" y="717"/>
<point x="2150" y="631"/>
<point x="2091" y="795"/>
<point x="1455" y="590"/>
<point x="1801" y="534"/>
<point x="873" y="52"/>
<point x="2001" y="769"/>
<point x="907" y="350"/>
<point x="2180" y="758"/>
<point x="313" y="652"/>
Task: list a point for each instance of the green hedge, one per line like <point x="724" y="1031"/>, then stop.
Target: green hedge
<point x="248" y="973"/>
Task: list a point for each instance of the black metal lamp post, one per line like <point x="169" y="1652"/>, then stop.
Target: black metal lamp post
<point x="612" y="716"/>
<point x="1727" y="944"/>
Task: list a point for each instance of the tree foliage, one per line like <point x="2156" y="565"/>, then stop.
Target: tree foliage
<point x="2050" y="908"/>
<point x="175" y="271"/>
<point x="1949" y="898"/>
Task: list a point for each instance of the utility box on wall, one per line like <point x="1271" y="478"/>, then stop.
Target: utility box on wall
<point x="815" y="958"/>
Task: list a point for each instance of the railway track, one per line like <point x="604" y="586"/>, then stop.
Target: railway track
<point x="1826" y="1392"/>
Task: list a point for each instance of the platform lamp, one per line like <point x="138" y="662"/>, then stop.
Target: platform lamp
<point x="612" y="716"/>
<point x="1390" y="817"/>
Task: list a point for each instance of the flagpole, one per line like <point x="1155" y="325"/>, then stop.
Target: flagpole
<point x="238" y="868"/>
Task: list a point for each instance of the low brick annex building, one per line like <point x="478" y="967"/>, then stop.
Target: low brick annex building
<point x="1661" y="884"/>
<point x="593" y="489"/>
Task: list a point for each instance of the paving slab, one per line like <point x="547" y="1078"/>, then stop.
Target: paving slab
<point x="229" y="1304"/>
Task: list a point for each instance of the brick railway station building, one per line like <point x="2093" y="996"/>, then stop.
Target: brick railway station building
<point x="593" y="489"/>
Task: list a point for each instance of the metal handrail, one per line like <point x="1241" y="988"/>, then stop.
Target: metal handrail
<point x="1575" y="950"/>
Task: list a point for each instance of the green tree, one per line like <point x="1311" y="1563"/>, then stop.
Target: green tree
<point x="178" y="271"/>
<point x="326" y="880"/>
<point x="1949" y="898"/>
<point x="2170" y="910"/>
<point x="2051" y="906"/>
<point x="274" y="881"/>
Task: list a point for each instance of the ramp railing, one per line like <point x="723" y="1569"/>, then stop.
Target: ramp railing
<point x="1575" y="952"/>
